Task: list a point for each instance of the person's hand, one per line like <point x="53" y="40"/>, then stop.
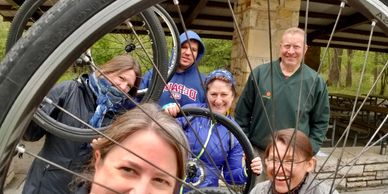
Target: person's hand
<point x="172" y="109"/>
<point x="256" y="166"/>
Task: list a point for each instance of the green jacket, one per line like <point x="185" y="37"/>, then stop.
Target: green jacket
<point x="259" y="111"/>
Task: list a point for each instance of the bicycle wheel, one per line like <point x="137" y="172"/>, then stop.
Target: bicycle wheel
<point x="204" y="168"/>
<point x="146" y="24"/>
<point x="173" y="45"/>
<point x="33" y="65"/>
<point x="120" y="42"/>
<point x="30" y="11"/>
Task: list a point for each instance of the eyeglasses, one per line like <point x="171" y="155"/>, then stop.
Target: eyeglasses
<point x="285" y="162"/>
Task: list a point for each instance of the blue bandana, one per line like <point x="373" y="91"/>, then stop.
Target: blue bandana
<point x="109" y="98"/>
<point x="220" y="73"/>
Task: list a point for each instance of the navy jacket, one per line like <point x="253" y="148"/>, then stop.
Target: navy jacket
<point x="76" y="97"/>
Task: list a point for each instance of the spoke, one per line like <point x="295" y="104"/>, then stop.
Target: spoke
<point x="270" y="116"/>
<point x="248" y="61"/>
<point x="354" y="106"/>
<point x="22" y="150"/>
<point x="118" y="143"/>
<point x="351" y="121"/>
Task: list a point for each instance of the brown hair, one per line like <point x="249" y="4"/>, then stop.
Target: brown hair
<point x="135" y="120"/>
<point x="287" y="137"/>
<point x="120" y="64"/>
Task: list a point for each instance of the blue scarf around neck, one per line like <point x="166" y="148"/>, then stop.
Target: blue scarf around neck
<point x="109" y="98"/>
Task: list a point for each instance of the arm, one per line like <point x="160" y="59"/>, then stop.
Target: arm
<point x="57" y="94"/>
<point x="319" y="116"/>
<point x="244" y="106"/>
<point x="237" y="169"/>
<point x="235" y="163"/>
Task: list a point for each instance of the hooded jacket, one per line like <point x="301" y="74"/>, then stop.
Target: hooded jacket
<point x="185" y="86"/>
<point x="231" y="147"/>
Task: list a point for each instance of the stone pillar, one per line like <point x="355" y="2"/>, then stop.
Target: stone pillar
<point x="252" y="18"/>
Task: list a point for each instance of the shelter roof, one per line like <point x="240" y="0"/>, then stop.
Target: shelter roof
<point x="213" y="19"/>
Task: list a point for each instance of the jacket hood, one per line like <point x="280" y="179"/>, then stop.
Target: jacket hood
<point x="193" y="36"/>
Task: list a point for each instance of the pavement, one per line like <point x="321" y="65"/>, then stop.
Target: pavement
<point x="21" y="166"/>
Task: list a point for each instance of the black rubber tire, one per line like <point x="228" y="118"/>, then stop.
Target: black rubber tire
<point x="33" y="65"/>
<point x="29" y="8"/>
<point x="153" y="93"/>
<point x="19" y="22"/>
<point x="156" y="31"/>
<point x="235" y="130"/>
<point x="174" y="33"/>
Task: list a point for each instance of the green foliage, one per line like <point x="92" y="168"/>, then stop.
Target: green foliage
<point x="373" y="64"/>
<point x="217" y="55"/>
<point x="105" y="49"/>
<point x="4" y="27"/>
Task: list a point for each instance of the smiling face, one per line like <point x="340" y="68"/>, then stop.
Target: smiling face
<point x="125" y="172"/>
<point x="295" y="168"/>
<point x="291" y="49"/>
<point x="188" y="55"/>
<point x="220" y="96"/>
<point x="124" y="80"/>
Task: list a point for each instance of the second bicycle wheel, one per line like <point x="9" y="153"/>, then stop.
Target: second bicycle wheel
<point x="34" y="64"/>
<point x="221" y="153"/>
<point x="141" y="40"/>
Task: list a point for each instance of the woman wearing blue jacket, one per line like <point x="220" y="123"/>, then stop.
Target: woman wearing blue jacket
<point x="185" y="85"/>
<point x="201" y="133"/>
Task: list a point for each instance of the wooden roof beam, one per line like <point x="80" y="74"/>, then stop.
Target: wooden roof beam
<point x="383" y="50"/>
<point x="354" y="40"/>
<point x="194" y="11"/>
<point x="343" y="24"/>
<point x="7" y="7"/>
<point x="331" y="2"/>
<point x="311" y="14"/>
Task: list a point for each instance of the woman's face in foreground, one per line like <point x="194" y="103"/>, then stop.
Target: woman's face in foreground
<point x="293" y="170"/>
<point x="126" y="173"/>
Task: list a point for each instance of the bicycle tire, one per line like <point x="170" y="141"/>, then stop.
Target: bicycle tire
<point x="235" y="130"/>
<point x="176" y="45"/>
<point x="80" y="134"/>
<point x="33" y="65"/>
<point x="19" y="22"/>
<point x="29" y="7"/>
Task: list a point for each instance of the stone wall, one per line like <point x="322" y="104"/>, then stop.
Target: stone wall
<point x="369" y="171"/>
<point x="253" y="22"/>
